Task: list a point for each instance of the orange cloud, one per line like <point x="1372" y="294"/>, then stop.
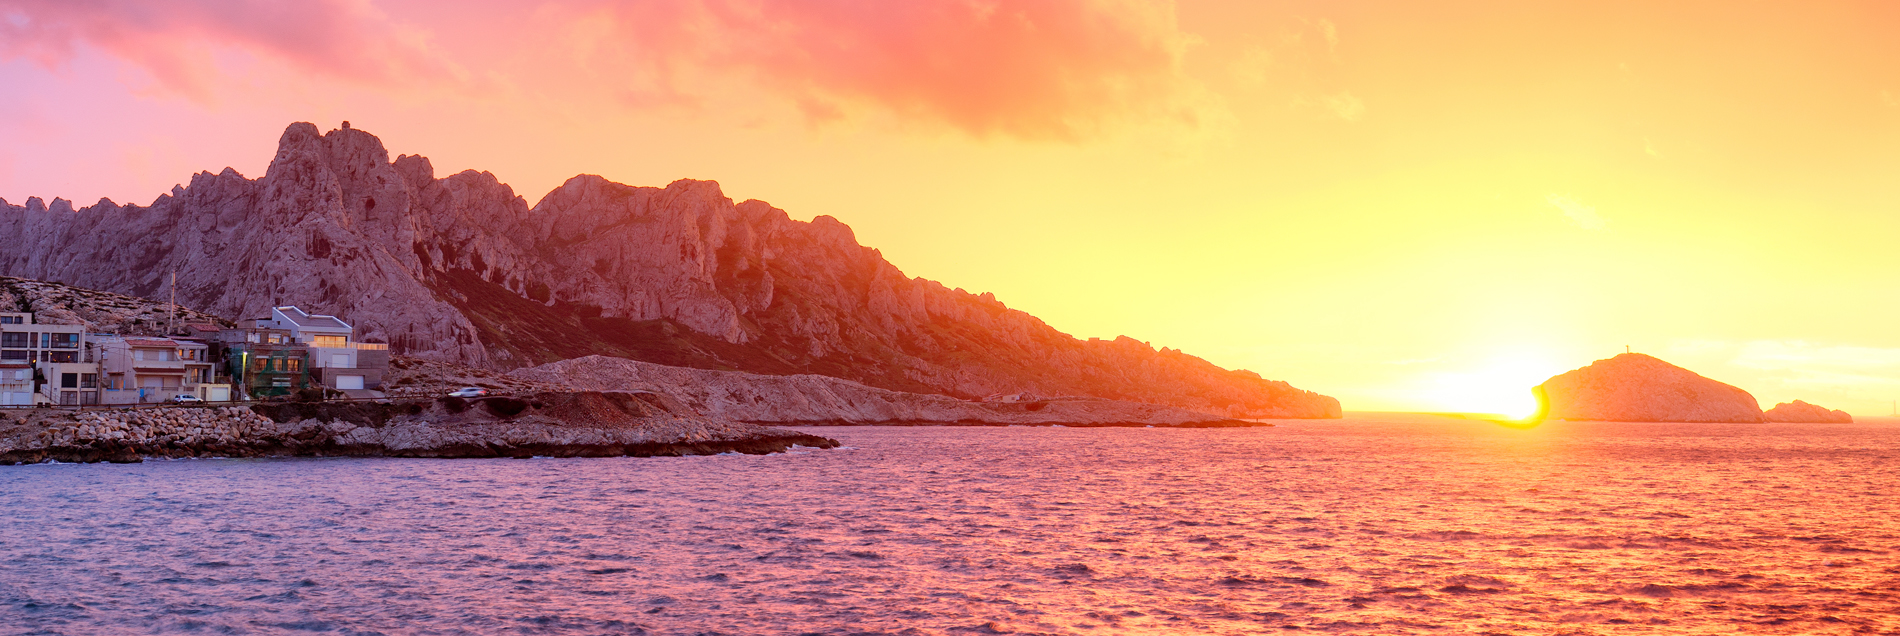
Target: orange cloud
<point x="1034" y="69"/>
<point x="175" y="40"/>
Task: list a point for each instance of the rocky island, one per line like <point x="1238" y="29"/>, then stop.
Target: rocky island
<point x="1633" y="387"/>
<point x="1803" y="412"/>
<point x="574" y="424"/>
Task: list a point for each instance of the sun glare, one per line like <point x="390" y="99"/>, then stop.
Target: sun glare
<point x="1502" y="386"/>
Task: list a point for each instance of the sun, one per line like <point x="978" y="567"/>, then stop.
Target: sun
<point x="1501" y="385"/>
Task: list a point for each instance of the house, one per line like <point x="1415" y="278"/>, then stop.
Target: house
<point x="56" y="362"/>
<point x="292" y="349"/>
<point x="138" y="369"/>
<point x="337" y="360"/>
<point x="263" y="362"/>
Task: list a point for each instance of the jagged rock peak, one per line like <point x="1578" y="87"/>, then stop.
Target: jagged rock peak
<point x="345" y="150"/>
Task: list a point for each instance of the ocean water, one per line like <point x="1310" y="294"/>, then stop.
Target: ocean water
<point x="1378" y="524"/>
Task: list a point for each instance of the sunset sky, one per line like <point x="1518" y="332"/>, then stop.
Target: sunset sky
<point x="1405" y="205"/>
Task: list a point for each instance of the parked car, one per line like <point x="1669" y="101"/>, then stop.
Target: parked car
<point x="469" y="392"/>
<point x="186" y="398"/>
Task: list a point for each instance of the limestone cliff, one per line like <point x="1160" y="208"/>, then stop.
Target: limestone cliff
<point x="1799" y="411"/>
<point x="461" y="269"/>
<point x="1633" y="387"/>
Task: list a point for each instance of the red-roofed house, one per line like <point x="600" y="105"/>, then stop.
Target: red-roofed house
<point x="145" y="369"/>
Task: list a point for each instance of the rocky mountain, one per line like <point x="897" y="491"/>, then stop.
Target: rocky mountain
<point x="816" y="400"/>
<point x="1633" y="387"/>
<point x="460" y="268"/>
<point x="1799" y="411"/>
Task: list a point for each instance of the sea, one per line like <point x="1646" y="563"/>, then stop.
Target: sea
<point x="1372" y="524"/>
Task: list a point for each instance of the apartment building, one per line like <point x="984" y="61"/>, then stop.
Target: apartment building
<point x="45" y="363"/>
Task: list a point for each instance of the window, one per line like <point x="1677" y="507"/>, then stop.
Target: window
<point x="333" y="342"/>
<point x="69" y="380"/>
<point x="62" y="356"/>
<point x="89" y="380"/>
<point x="276" y="339"/>
<point x="250" y="337"/>
<point x="63" y="341"/>
<point x="16" y="355"/>
<point x="46" y="341"/>
<point x="294" y="365"/>
<point x="14" y="340"/>
<point x="138" y="354"/>
<point x="12" y="320"/>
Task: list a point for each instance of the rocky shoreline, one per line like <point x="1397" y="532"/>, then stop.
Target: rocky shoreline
<point x="577" y="424"/>
<point x="816" y="400"/>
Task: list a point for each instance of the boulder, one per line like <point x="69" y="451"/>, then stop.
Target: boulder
<point x="1633" y="387"/>
<point x="1799" y="411"/>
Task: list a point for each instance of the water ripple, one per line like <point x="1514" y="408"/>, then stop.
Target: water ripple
<point x="1390" y="526"/>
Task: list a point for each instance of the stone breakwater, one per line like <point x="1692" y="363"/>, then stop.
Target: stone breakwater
<point x="592" y="424"/>
<point x="170" y="431"/>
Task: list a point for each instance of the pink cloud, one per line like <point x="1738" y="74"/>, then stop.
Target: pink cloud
<point x="1039" y="69"/>
<point x="1031" y="69"/>
<point x="175" y="40"/>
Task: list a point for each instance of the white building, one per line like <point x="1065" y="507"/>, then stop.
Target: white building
<point x="56" y="360"/>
